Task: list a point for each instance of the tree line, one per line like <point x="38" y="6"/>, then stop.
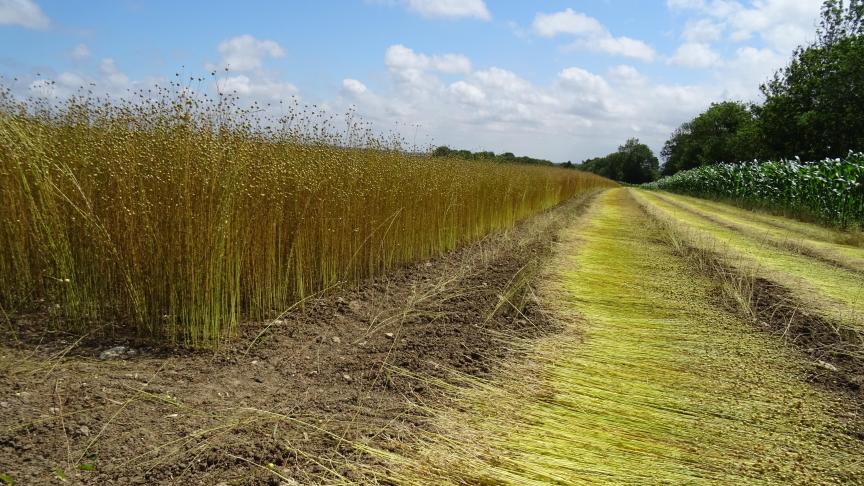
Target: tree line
<point x="633" y="163"/>
<point x="506" y="157"/>
<point x="813" y="108"/>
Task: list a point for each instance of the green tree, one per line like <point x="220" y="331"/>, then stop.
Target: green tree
<point x="506" y="157"/>
<point x="637" y="161"/>
<point x="726" y="132"/>
<point x="633" y="162"/>
<point x="814" y="107"/>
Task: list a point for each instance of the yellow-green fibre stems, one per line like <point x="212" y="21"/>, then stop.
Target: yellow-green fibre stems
<point x="835" y="293"/>
<point x="792" y="227"/>
<point x="840" y="248"/>
<point x="651" y="384"/>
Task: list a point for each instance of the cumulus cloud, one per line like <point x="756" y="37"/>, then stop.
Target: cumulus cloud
<point x="591" y="35"/>
<point x="695" y="55"/>
<point x="246" y="53"/>
<point x="567" y="22"/>
<point x="685" y="4"/>
<point x="625" y="74"/>
<point x="467" y="93"/>
<point x="71" y="80"/>
<point x="584" y="81"/>
<point x="43" y="88"/>
<point x="80" y="52"/>
<point x="112" y="74"/>
<point x="245" y="57"/>
<point x="400" y="57"/>
<point x="702" y="30"/>
<point x="256" y="88"/>
<point x="452" y="9"/>
<point x="747" y="69"/>
<point x="24" y="13"/>
<point x="353" y="87"/>
<point x="576" y="114"/>
<point x="781" y="24"/>
<point x="616" y="46"/>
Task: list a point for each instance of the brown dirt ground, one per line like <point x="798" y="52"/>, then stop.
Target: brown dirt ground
<point x="287" y="401"/>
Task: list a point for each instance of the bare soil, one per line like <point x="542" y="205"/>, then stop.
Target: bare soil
<point x="288" y="401"/>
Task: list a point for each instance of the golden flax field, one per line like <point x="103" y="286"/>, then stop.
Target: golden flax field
<point x="174" y="217"/>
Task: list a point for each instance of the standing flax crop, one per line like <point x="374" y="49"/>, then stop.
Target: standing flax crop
<point x="831" y="190"/>
<point x="173" y="216"/>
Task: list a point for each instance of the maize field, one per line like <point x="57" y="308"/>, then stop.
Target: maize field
<point x="831" y="190"/>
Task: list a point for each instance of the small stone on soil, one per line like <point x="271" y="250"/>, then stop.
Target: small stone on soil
<point x="336" y="340"/>
<point x="827" y="366"/>
<point x="347" y="378"/>
<point x="388" y="335"/>
<point x="116" y="352"/>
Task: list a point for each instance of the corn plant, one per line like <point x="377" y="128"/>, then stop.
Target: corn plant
<point x="831" y="190"/>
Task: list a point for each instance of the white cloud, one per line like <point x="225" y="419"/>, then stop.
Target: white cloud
<point x="25" y="13"/>
<point x="467" y="93"/>
<point x="591" y="35"/>
<point x="626" y="75"/>
<point x="244" y="57"/>
<point x="262" y="88"/>
<point x="353" y="86"/>
<point x="402" y="58"/>
<point x="503" y="80"/>
<point x="44" y="88"/>
<point x="685" y="4"/>
<point x="112" y="74"/>
<point x="246" y="53"/>
<point x="452" y="9"/>
<point x="781" y="24"/>
<point x="582" y="80"/>
<point x="80" y="52"/>
<point x="576" y="114"/>
<point x="695" y="55"/>
<point x="71" y="80"/>
<point x="702" y="30"/>
<point x="567" y="22"/>
<point x="616" y="46"/>
<point x="747" y="69"/>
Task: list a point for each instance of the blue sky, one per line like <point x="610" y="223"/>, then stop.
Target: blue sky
<point x="564" y="80"/>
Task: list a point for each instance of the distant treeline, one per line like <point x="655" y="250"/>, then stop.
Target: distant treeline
<point x="813" y="108"/>
<point x="508" y="157"/>
<point x="633" y="163"/>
